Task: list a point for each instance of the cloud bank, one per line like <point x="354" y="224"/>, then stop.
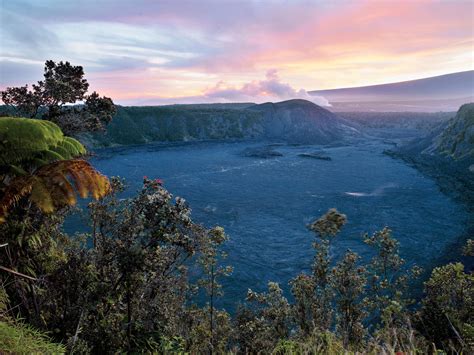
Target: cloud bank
<point x="269" y="89"/>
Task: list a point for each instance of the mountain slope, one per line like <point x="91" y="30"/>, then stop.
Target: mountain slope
<point x="294" y="120"/>
<point x="439" y="93"/>
<point x="447" y="155"/>
<point x="452" y="140"/>
<point x="304" y="122"/>
<point x="457" y="138"/>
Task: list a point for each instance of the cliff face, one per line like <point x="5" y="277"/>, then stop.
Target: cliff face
<point x="447" y="154"/>
<point x="457" y="138"/>
<point x="137" y="125"/>
<point x="295" y="120"/>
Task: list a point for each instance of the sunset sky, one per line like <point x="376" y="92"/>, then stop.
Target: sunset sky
<point x="152" y="52"/>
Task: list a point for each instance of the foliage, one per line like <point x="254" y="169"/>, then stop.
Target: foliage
<point x="53" y="186"/>
<point x="313" y="293"/>
<point x="264" y="320"/>
<point x="19" y="338"/>
<point x="315" y="343"/>
<point x="209" y="260"/>
<point x="32" y="143"/>
<point x="348" y="281"/>
<point x="457" y="138"/>
<point x="388" y="285"/>
<point x="447" y="313"/>
<point x="141" y="124"/>
<point x="63" y="84"/>
<point x="468" y="249"/>
<point x="35" y="162"/>
<point x="125" y="285"/>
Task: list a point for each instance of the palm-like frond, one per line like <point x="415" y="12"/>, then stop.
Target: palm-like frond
<point x="32" y="143"/>
<point x="54" y="185"/>
<point x="36" y="161"/>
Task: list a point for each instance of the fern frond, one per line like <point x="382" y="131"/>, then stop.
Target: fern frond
<point x="52" y="186"/>
<point x="40" y="195"/>
<point x="24" y="140"/>
<point x="72" y="146"/>
<point x="50" y="156"/>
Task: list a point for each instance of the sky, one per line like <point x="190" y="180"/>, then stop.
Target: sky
<point x="190" y="51"/>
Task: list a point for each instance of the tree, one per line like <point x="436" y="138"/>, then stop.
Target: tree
<point x="313" y="293"/>
<point x="212" y="272"/>
<point x="447" y="313"/>
<point x="129" y="289"/>
<point x="348" y="281"/>
<point x="51" y="99"/>
<point x="264" y="320"/>
<point x="388" y="280"/>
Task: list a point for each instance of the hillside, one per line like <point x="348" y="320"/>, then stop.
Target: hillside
<point x="457" y="138"/>
<point x="303" y="121"/>
<point x="447" y="154"/>
<point x="439" y="93"/>
<point x="452" y="140"/>
<point x="293" y="120"/>
<point x="137" y="125"/>
<point x="420" y="121"/>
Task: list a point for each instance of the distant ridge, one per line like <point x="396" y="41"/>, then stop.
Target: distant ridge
<point x="296" y="121"/>
<point x="438" y="93"/>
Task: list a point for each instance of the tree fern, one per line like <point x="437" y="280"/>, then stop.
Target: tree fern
<point x="36" y="161"/>
<point x="23" y="140"/>
<point x="54" y="185"/>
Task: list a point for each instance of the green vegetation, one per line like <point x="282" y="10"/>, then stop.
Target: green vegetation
<point x="37" y="162"/>
<point x="136" y="125"/>
<point x="125" y="286"/>
<point x="19" y="338"/>
<point x="25" y="141"/>
<point x="145" y="278"/>
<point x="53" y="98"/>
<point x="457" y="139"/>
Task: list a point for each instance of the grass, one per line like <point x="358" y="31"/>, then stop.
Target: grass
<point x="19" y="338"/>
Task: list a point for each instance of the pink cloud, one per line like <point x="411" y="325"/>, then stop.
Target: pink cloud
<point x="269" y="89"/>
<point x="176" y="49"/>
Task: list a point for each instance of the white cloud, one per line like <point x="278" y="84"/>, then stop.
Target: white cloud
<point x="269" y="89"/>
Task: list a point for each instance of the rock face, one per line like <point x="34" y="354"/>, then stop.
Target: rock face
<point x="451" y="140"/>
<point x="303" y="122"/>
<point x="293" y="121"/>
<point x="447" y="154"/>
<point x="457" y="138"/>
